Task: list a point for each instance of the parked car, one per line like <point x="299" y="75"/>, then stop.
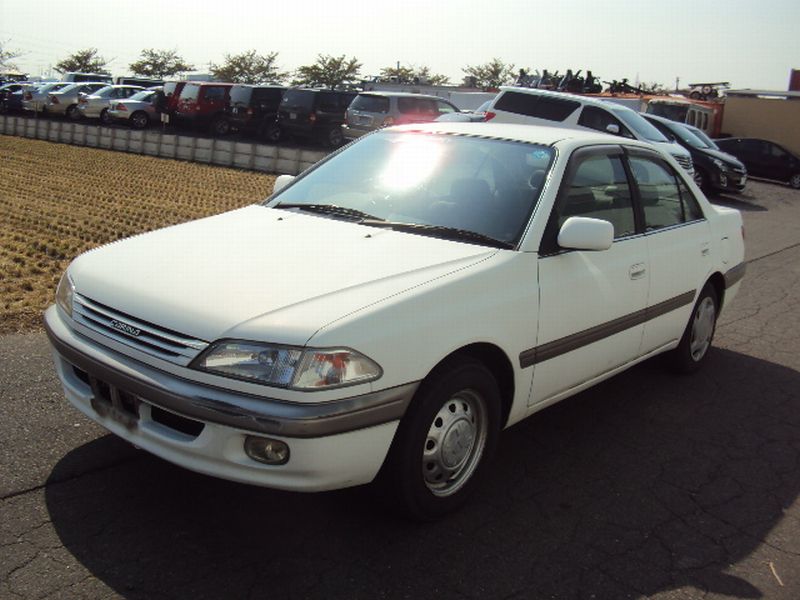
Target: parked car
<point x="97" y="105"/>
<point x="8" y="102"/>
<point x="79" y="77"/>
<point x="351" y="324"/>
<point x="35" y="99"/>
<point x="714" y="170"/>
<point x="543" y="107"/>
<point x="138" y="111"/>
<point x="467" y="116"/>
<point x="764" y="159"/>
<point x="312" y="114"/>
<point x="372" y="110"/>
<point x="252" y="108"/>
<point x="64" y="102"/>
<point x="203" y="104"/>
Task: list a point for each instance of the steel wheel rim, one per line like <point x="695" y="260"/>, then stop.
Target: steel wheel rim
<point x="455" y="443"/>
<point x="702" y="328"/>
<point x="795" y="181"/>
<point x="139" y="121"/>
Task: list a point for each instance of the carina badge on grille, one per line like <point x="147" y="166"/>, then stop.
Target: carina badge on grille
<point x="125" y="328"/>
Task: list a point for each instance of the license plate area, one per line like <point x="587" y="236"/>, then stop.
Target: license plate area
<point x="118" y="405"/>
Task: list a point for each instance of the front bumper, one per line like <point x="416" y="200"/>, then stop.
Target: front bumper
<point x="332" y="444"/>
<point x="729" y="181"/>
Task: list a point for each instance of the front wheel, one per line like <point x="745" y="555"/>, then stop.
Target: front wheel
<point x="444" y="441"/>
<point x="334" y="137"/>
<point x="794" y="181"/>
<point x="139" y="120"/>
<point x="273" y="134"/>
<point x="692" y="351"/>
<point x="105" y="118"/>
<point x="73" y="112"/>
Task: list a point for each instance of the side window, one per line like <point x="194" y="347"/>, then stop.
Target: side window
<point x="599" y="189"/>
<point x="777" y="152"/>
<point x="665" y="198"/>
<point x="599" y="119"/>
<point x="214" y="94"/>
<point x="444" y="107"/>
<point x="532" y="105"/>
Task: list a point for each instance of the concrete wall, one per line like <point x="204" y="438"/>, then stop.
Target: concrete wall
<point x="244" y="155"/>
<point x="771" y="119"/>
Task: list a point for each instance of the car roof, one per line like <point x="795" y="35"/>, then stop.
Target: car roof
<point x="401" y="94"/>
<point x="586" y="100"/>
<point x="535" y="134"/>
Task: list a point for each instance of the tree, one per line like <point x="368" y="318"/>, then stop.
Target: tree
<point x="249" y="67"/>
<point x="490" y="75"/>
<point x="159" y="63"/>
<point x="328" y="71"/>
<point x="410" y="74"/>
<point x="7" y="57"/>
<point x="85" y="61"/>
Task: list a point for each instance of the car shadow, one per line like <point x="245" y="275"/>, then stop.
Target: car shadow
<point x="743" y="202"/>
<point x="647" y="482"/>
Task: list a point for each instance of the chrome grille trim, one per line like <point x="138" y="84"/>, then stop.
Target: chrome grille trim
<point x="683" y="161"/>
<point x="149" y="338"/>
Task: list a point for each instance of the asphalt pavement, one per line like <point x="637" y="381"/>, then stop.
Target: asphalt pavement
<point x="648" y="485"/>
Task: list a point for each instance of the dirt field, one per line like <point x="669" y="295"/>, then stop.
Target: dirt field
<point x="57" y="201"/>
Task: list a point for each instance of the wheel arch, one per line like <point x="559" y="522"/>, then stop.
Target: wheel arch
<point x="717" y="281"/>
<point x="494" y="359"/>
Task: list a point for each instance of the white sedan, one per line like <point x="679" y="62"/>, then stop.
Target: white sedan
<point x="395" y="307"/>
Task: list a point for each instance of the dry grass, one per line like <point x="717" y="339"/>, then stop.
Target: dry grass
<point x="57" y="201"/>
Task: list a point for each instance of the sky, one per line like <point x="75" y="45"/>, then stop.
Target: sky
<point x="751" y="44"/>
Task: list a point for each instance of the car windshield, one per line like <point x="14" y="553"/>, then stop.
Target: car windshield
<point x="459" y="187"/>
<point x="142" y="96"/>
<point x="683" y="133"/>
<point x="703" y="136"/>
<point x="637" y="123"/>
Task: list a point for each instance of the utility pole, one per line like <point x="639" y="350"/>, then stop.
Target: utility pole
<point x="677" y="83"/>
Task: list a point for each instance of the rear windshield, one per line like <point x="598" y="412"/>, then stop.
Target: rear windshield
<point x="298" y="99"/>
<point x="190" y="91"/>
<point x="541" y="107"/>
<point x="240" y="94"/>
<point x="370" y="103"/>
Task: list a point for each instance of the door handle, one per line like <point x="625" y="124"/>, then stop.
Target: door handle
<point x="637" y="271"/>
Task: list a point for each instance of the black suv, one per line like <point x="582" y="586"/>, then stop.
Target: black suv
<point x="253" y="108"/>
<point x="764" y="159"/>
<point x="312" y="113"/>
<point x="714" y="170"/>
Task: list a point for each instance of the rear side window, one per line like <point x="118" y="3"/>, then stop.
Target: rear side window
<point x="370" y="103"/>
<point x="666" y="200"/>
<point x="267" y="97"/>
<point x="299" y="99"/>
<point x="214" y="94"/>
<point x="541" y="107"/>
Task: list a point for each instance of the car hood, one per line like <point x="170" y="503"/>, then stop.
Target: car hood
<point x="723" y="156"/>
<point x="254" y="269"/>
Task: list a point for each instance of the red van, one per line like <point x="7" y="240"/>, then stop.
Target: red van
<point x="203" y="104"/>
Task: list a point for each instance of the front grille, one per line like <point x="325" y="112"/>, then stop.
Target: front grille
<point x="683" y="161"/>
<point x="139" y="334"/>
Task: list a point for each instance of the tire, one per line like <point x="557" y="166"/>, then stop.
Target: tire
<point x="73" y="113"/>
<point x="444" y="442"/>
<point x="794" y="181"/>
<point x="273" y="134"/>
<point x="139" y="120"/>
<point x="220" y="127"/>
<point x="693" y="349"/>
<point x="334" y="137"/>
<point x="105" y="118"/>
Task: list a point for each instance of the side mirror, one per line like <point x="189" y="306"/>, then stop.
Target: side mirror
<point x="585" y="233"/>
<point x="281" y="182"/>
<point x="612" y="128"/>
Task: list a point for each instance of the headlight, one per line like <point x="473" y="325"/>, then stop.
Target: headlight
<point x="64" y="293"/>
<point x="288" y="366"/>
<point x="720" y="165"/>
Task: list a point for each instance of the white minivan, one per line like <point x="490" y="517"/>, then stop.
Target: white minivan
<point x="543" y="107"/>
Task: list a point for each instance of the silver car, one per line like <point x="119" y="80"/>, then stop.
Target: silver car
<point x="96" y="105"/>
<point x="65" y="101"/>
<point x="35" y="99"/>
<point x="373" y="110"/>
<point x="139" y="110"/>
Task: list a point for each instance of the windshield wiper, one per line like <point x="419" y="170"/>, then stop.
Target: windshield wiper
<point x="331" y="209"/>
<point x="440" y="231"/>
